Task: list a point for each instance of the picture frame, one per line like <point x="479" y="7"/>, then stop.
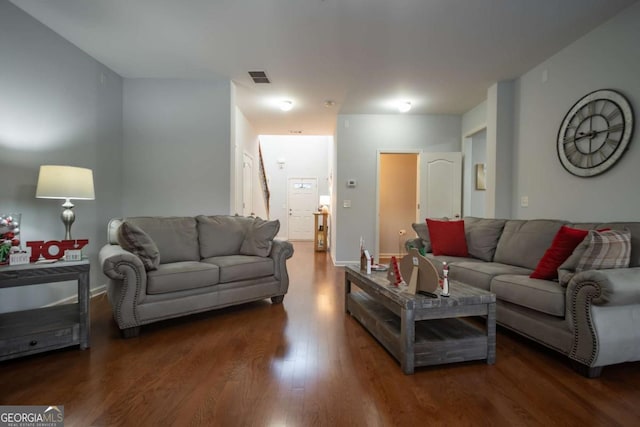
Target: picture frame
<point x="480" y="177"/>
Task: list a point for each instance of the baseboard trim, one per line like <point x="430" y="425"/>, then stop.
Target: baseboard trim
<point x="74" y="298"/>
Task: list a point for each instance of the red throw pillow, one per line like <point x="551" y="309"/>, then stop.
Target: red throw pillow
<point x="447" y="238"/>
<point x="563" y="245"/>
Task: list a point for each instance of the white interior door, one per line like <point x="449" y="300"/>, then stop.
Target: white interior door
<point x="443" y="185"/>
<point x="302" y="200"/>
<point x="247" y="185"/>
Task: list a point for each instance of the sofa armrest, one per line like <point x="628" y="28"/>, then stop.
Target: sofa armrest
<point x="281" y="251"/>
<point x="114" y="261"/>
<point x="602" y="309"/>
<point x="127" y="284"/>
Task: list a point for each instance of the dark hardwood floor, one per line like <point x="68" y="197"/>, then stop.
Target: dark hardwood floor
<point x="304" y="363"/>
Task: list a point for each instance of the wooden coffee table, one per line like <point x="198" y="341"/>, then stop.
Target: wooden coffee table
<point x="422" y="331"/>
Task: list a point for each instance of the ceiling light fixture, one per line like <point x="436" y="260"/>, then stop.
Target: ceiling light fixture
<point x="329" y="103"/>
<point x="404" y="107"/>
<point x="286" y="105"/>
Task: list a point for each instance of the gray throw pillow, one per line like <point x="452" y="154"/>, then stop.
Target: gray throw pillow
<point x="422" y="231"/>
<point x="259" y="237"/>
<point x="482" y="236"/>
<point x="133" y="239"/>
<point x="567" y="269"/>
<point x="221" y="235"/>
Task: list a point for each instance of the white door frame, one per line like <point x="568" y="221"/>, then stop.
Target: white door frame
<point x="419" y="204"/>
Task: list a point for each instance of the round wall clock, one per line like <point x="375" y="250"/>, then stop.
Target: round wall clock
<point x="595" y="133"/>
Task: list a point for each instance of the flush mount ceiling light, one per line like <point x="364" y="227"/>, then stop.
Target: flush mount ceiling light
<point x="286" y="105"/>
<point x="404" y="106"/>
<point x="329" y="103"/>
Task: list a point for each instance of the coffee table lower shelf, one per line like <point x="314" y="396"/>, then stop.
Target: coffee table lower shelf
<point x="436" y="342"/>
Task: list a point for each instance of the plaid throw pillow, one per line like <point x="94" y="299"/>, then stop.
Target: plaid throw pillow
<point x="606" y="249"/>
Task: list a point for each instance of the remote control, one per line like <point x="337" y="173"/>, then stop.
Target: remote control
<point x="428" y="294"/>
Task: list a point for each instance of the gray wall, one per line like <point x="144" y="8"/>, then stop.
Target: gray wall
<point x="607" y="57"/>
<point x="359" y="138"/>
<point x="176" y="154"/>
<point x="247" y="141"/>
<point x="57" y="106"/>
<point x="474" y="119"/>
<point x="478" y="155"/>
<point x="500" y="169"/>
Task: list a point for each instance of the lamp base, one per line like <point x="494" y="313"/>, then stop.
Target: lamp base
<point x="68" y="216"/>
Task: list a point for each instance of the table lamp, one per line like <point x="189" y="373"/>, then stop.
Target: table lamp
<point x="65" y="182"/>
<point x="325" y="201"/>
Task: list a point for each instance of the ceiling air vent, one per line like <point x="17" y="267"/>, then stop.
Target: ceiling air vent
<point x="259" y="77"/>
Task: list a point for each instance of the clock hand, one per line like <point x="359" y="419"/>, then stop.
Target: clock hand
<point x="582" y="135"/>
<point x="592" y="134"/>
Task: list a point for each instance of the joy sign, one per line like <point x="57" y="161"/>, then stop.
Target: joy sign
<point x="43" y="248"/>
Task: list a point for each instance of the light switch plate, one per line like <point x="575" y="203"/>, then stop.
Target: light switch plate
<point x="346" y="203"/>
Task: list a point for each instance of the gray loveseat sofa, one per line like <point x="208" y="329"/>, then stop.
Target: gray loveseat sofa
<point x="591" y="316"/>
<point x="205" y="262"/>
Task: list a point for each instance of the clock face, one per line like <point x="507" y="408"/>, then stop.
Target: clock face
<point x="595" y="133"/>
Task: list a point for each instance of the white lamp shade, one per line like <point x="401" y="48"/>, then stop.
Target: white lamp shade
<point x="65" y="182"/>
<point x="325" y="200"/>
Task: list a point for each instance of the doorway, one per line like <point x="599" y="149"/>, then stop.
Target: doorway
<point x="302" y="201"/>
<point x="475" y="156"/>
<point x="398" y="200"/>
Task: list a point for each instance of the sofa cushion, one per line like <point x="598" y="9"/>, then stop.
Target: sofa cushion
<point x="259" y="236"/>
<point x="221" y="235"/>
<point x="422" y="231"/>
<point x="541" y="295"/>
<point x="563" y="245"/>
<point x="480" y="274"/>
<point x="242" y="267"/>
<point x="524" y="242"/>
<point x="438" y="260"/>
<point x="482" y="236"/>
<point x="176" y="237"/>
<point x="133" y="239"/>
<point x="180" y="276"/>
<point x="606" y="249"/>
<point x="447" y="238"/>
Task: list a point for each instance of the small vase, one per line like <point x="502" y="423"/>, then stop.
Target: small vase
<point x="9" y="235"/>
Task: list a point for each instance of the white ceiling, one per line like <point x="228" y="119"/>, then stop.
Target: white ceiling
<point x="441" y="55"/>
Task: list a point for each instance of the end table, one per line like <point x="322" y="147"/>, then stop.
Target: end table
<point x="42" y="329"/>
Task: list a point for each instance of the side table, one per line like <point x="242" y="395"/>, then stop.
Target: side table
<point x="42" y="329"/>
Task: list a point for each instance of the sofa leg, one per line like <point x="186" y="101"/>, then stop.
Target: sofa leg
<point x="277" y="299"/>
<point x="587" y="371"/>
<point x="130" y="332"/>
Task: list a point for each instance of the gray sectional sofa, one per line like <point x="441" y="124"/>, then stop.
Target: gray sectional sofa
<point x="205" y="262"/>
<point x="591" y="316"/>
